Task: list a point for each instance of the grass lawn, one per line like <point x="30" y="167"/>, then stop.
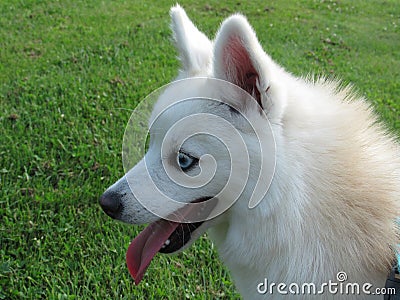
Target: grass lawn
<point x="71" y="72"/>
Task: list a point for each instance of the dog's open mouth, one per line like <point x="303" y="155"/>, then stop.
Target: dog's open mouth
<point x="162" y="236"/>
<point x="179" y="237"/>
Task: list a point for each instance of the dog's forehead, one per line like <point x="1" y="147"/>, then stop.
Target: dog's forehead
<point x="171" y="100"/>
<point x="175" y="93"/>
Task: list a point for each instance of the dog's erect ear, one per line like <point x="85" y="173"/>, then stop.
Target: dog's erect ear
<point x="195" y="49"/>
<point x="240" y="59"/>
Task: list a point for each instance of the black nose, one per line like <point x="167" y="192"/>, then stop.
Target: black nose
<point x="111" y="204"/>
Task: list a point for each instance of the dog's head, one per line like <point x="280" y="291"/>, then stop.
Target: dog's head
<point x="205" y="132"/>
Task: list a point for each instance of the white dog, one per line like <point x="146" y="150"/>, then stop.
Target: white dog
<point x="331" y="206"/>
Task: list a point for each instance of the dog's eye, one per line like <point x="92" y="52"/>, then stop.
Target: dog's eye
<point x="186" y="161"/>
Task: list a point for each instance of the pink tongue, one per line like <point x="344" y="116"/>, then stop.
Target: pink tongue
<point x="143" y="248"/>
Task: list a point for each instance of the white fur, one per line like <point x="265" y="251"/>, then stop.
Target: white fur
<point x="238" y="26"/>
<point x="193" y="46"/>
<point x="335" y="195"/>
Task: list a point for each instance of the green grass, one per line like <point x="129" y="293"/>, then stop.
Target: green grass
<point x="71" y="72"/>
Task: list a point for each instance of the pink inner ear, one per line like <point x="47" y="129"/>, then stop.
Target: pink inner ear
<point x="239" y="68"/>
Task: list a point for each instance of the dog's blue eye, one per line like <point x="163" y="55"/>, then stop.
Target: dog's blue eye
<point x="185" y="161"/>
